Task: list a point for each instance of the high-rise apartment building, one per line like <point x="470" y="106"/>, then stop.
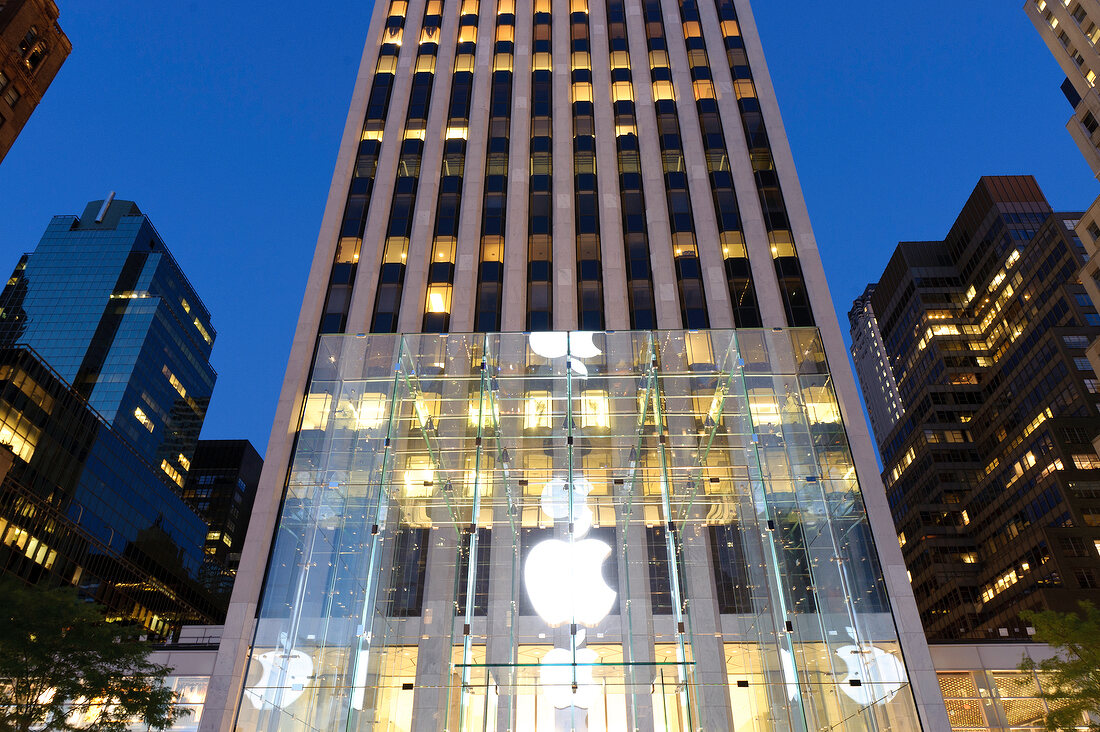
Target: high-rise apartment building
<point x="990" y="474"/>
<point x="103" y="302"/>
<point x="559" y="446"/>
<point x="32" y="49"/>
<point x="1071" y="31"/>
<point x="876" y="377"/>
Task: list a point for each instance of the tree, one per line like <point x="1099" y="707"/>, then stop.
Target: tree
<point x="1071" y="678"/>
<point x="64" y="667"/>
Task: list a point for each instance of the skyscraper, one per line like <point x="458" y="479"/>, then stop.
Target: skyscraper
<point x="990" y="472"/>
<point x="221" y="486"/>
<point x="32" y="49"/>
<point x="103" y="302"/>
<point x="474" y="515"/>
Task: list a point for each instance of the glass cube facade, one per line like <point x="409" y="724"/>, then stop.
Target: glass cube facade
<point x="649" y="530"/>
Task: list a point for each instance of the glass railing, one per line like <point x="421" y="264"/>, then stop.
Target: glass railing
<point x="592" y="531"/>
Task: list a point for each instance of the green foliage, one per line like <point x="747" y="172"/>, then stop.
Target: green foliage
<point x="1071" y="679"/>
<point x="59" y="661"/>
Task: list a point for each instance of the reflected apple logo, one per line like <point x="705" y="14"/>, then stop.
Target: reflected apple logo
<point x="556" y="678"/>
<point x="885" y="673"/>
<point x="298" y="668"/>
<point x="555" y="503"/>
<point x="565" y="581"/>
<point x="556" y="344"/>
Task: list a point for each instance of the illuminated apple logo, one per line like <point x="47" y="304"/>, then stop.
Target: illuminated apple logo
<point x="885" y="673"/>
<point x="556" y="678"/>
<point x="556" y="344"/>
<point x="555" y="503"/>
<point x="565" y="581"/>
<point x="297" y="666"/>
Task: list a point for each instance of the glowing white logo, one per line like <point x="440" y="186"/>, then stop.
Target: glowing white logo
<point x="885" y="673"/>
<point x="565" y="581"/>
<point x="556" y="678"/>
<point x="555" y="503"/>
<point x="555" y="344"/>
<point x="298" y="668"/>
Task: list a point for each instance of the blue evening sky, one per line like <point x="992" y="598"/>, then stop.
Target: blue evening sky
<point x="222" y="121"/>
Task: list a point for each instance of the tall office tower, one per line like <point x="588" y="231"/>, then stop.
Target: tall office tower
<point x="79" y="507"/>
<point x="103" y="302"/>
<point x="559" y="446"/>
<point x="32" y="49"/>
<point x="990" y="475"/>
<point x="221" y="487"/>
<point x="876" y="377"/>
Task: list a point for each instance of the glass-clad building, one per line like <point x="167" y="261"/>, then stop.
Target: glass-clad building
<point x="568" y="439"/>
<point x="104" y="303"/>
<point x="80" y="506"/>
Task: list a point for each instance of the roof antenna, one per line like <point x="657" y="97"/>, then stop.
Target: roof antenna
<point x="103" y="211"/>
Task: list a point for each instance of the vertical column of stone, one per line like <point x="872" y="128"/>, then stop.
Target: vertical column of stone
<point x="653" y="178"/>
<point x="468" y="250"/>
<point x="564" y="227"/>
<point x="616" y="302"/>
<point x="514" y="305"/>
<point x="752" y="218"/>
<point x="378" y="213"/>
<point x="431" y="167"/>
<point x="719" y="309"/>
<point x="703" y="624"/>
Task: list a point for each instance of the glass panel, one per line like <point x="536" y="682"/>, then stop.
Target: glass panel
<point x="588" y="530"/>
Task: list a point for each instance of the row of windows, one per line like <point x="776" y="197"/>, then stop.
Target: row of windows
<point x="490" y="279"/>
<point x="391" y="279"/>
<point x="787" y="268"/>
<point x="437" y="308"/>
<point x="589" y="269"/>
<point x="689" y="274"/>
<point x="342" y="277"/>
<point x="540" y="208"/>
<point x="643" y="310"/>
<point x="726" y="213"/>
<point x="541" y="198"/>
